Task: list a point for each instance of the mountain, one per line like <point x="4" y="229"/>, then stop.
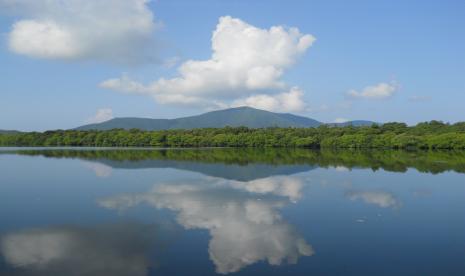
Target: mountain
<point x="2" y="131"/>
<point x="234" y="117"/>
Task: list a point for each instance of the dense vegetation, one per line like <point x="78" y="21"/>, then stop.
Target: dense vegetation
<point x="431" y="161"/>
<point x="428" y="135"/>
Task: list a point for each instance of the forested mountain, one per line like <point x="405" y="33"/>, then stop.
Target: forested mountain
<point x="233" y="117"/>
<point x="2" y="131"/>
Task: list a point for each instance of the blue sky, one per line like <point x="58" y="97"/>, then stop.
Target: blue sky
<point x="373" y="60"/>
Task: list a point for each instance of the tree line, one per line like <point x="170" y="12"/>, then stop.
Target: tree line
<point x="427" y="135"/>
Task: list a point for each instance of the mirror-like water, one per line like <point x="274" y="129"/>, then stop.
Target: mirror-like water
<point x="231" y="211"/>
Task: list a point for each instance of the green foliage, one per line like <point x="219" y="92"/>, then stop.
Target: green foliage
<point x="431" y="135"/>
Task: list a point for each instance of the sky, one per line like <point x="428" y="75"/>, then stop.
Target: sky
<point x="64" y="63"/>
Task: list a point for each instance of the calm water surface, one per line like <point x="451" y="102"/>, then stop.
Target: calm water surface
<point x="226" y="211"/>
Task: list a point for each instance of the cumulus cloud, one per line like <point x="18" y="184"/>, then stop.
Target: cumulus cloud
<point x="119" y="249"/>
<point x="291" y="101"/>
<point x="75" y="29"/>
<point x="242" y="218"/>
<point x="379" y="91"/>
<point x="379" y="198"/>
<point x="246" y="65"/>
<point x="102" y="115"/>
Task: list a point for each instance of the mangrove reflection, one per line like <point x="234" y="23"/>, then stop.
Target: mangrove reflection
<point x="247" y="164"/>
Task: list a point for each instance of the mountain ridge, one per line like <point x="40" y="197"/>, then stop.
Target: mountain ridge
<point x="232" y="117"/>
<point x="5" y="131"/>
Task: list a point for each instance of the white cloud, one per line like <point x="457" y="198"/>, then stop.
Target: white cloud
<point x="379" y="91"/>
<point x="247" y="63"/>
<point x="110" y="30"/>
<point x="242" y="218"/>
<point x="380" y="198"/>
<point x="102" y="115"/>
<point x="340" y="120"/>
<point x="291" y="101"/>
<point x="125" y="85"/>
<point x="42" y="39"/>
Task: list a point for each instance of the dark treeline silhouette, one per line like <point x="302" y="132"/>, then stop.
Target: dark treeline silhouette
<point x="428" y="135"/>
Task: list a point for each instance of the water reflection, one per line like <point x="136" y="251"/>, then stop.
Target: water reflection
<point x="249" y="164"/>
<point x="243" y="211"/>
<point x="100" y="170"/>
<point x="242" y="217"/>
<point x="116" y="249"/>
<point x="381" y="199"/>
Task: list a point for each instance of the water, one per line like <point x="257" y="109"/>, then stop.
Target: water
<point x="227" y="211"/>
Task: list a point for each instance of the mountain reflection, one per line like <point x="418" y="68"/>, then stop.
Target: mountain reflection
<point x="246" y="164"/>
<point x="241" y="217"/>
<point x="239" y="172"/>
<point x="118" y="249"/>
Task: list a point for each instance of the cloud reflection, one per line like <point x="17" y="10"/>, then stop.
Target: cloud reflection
<point x="100" y="170"/>
<point x="117" y="250"/>
<point x="242" y="218"/>
<point x="280" y="185"/>
<point x="379" y="198"/>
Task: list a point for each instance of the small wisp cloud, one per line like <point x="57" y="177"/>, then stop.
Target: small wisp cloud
<point x="381" y="90"/>
<point x="102" y="115"/>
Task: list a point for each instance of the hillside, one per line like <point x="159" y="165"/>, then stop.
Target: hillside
<point x="234" y="117"/>
<point x="2" y="131"/>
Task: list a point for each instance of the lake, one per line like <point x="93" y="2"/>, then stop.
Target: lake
<point x="231" y="211"/>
